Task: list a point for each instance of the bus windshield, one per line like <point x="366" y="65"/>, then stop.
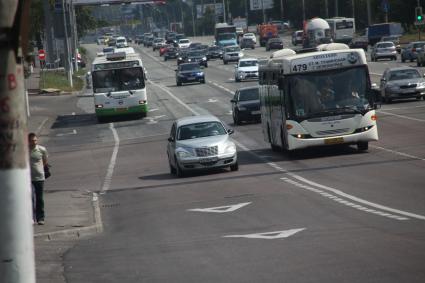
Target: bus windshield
<point x="118" y="80"/>
<point x="328" y="93"/>
<point x="226" y="36"/>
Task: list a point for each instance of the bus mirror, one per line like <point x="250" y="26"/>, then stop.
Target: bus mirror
<point x="281" y="81"/>
<point x="170" y="139"/>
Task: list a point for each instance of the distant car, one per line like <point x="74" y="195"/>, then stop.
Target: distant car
<point x="121" y="42"/>
<point x="108" y="50"/>
<point x="359" y="42"/>
<point x="198" y="56"/>
<point x="170" y="53"/>
<point x="232" y="54"/>
<point x="200" y="143"/>
<point x="149" y="41"/>
<point x="181" y="58"/>
<point x="189" y="73"/>
<point x="247" y="43"/>
<point x="184" y="43"/>
<point x="274" y="43"/>
<point x="394" y="39"/>
<point x="251" y="36"/>
<point x="420" y="58"/>
<point x="100" y="40"/>
<point x="382" y="50"/>
<point x="239" y="31"/>
<point x="400" y="83"/>
<point x="214" y="52"/>
<point x="158" y="43"/>
<point x="297" y="37"/>
<point x="410" y="52"/>
<point x="247" y="68"/>
<point x="195" y="45"/>
<point x="246" y="105"/>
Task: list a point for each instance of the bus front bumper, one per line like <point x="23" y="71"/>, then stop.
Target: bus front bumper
<point x="109" y="112"/>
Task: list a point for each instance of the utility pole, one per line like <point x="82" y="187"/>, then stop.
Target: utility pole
<point x="68" y="65"/>
<point x="224" y="13"/>
<point x="369" y="13"/>
<point x="264" y="11"/>
<point x="326" y="9"/>
<point x="17" y="264"/>
<point x="303" y="6"/>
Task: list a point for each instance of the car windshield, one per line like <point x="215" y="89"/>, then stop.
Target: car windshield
<point x="328" y="93"/>
<point x="121" y="40"/>
<point x="118" y="80"/>
<point x="159" y="40"/>
<point x="226" y="36"/>
<point x="200" y="130"/>
<point x="108" y="50"/>
<point x="248" y="35"/>
<point x="248" y="94"/>
<point x="404" y="75"/>
<point x="385" y="45"/>
<point x="418" y="45"/>
<point x="251" y="63"/>
<point x="189" y="67"/>
<point x="233" y="49"/>
<point x="274" y="40"/>
<point x="184" y="41"/>
<point x="214" y="48"/>
<point x="196" y="53"/>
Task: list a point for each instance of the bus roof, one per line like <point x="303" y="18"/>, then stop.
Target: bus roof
<point x="289" y="63"/>
<point x="115" y="58"/>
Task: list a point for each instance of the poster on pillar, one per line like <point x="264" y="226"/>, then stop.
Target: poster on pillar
<point x="257" y="4"/>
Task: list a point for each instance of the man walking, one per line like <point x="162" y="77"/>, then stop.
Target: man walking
<point x="38" y="160"/>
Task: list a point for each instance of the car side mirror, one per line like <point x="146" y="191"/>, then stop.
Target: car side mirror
<point x="233" y="101"/>
<point x="171" y="139"/>
<point x="230" y="131"/>
<point x="175" y="70"/>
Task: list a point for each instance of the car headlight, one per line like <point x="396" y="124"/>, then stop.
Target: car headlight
<point x="180" y="58"/>
<point x="200" y="74"/>
<point x="183" y="153"/>
<point x="230" y="148"/>
<point x="240" y="54"/>
<point x="421" y="85"/>
<point x="189" y="60"/>
<point x="204" y="58"/>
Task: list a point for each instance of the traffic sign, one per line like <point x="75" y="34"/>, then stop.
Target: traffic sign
<point x="41" y="55"/>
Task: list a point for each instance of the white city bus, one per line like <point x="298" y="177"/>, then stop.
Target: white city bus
<point x="317" y="98"/>
<point x="342" y="29"/>
<point x="119" y="85"/>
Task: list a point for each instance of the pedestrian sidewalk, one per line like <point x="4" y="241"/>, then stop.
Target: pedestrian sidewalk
<point x="69" y="214"/>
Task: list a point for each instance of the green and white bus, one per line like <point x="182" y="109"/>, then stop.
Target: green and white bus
<point x="119" y="85"/>
<point x="317" y="98"/>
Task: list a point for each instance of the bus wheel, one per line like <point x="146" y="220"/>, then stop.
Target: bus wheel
<point x="362" y="146"/>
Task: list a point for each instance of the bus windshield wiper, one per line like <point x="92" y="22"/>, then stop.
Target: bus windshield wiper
<point x="350" y="109"/>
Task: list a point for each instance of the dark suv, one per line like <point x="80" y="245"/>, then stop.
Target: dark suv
<point x="188" y="73"/>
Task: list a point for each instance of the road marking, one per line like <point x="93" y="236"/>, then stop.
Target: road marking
<point x="402" y="116"/>
<point x="153" y="110"/>
<point x="74" y="132"/>
<point x="221" y="209"/>
<point x="212" y="100"/>
<point x="110" y="171"/>
<point x="399" y="153"/>
<point x="345" y="202"/>
<point x="41" y="126"/>
<point x="268" y="235"/>
<point x="375" y="74"/>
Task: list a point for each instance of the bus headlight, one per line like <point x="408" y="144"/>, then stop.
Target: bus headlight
<point x="99" y="105"/>
<point x="142" y="102"/>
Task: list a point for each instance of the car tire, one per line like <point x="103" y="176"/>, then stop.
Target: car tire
<point x="402" y="59"/>
<point x="206" y="65"/>
<point x="253" y="47"/>
<point x="165" y="58"/>
<point x="178" y="83"/>
<point x="203" y="81"/>
<point x="418" y="64"/>
<point x="179" y="171"/>
<point x="236" y="120"/>
<point x="362" y="146"/>
<point x="224" y="62"/>
<point x="237" y="80"/>
<point x="172" y="169"/>
<point x="234" y="167"/>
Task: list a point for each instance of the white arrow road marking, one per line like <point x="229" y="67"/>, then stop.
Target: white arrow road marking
<point x="221" y="209"/>
<point x="74" y="132"/>
<point x="212" y="100"/>
<point x="268" y="235"/>
<point x="152" y="120"/>
<point x="153" y="110"/>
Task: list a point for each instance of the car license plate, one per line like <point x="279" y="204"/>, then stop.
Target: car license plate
<point x="255" y="112"/>
<point x="190" y="78"/>
<point x="208" y="161"/>
<point x="334" y="141"/>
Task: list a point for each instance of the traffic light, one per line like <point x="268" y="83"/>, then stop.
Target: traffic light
<point x="419" y="15"/>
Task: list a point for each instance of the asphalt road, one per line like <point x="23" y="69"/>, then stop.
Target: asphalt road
<point x="325" y="215"/>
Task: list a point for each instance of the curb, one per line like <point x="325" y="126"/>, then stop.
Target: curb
<point x="76" y="233"/>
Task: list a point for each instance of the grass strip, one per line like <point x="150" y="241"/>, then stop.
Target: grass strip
<point x="59" y="80"/>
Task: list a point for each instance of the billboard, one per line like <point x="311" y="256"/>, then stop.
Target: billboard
<point x="257" y="4"/>
<point x="218" y="9"/>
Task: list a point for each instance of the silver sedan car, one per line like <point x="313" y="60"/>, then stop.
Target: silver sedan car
<point x="385" y="49"/>
<point x="199" y="143"/>
<point x="400" y="83"/>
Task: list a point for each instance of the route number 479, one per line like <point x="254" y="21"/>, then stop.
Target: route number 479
<point x="299" y="68"/>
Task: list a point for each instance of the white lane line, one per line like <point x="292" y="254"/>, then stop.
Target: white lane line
<point x="348" y="203"/>
<point x="399" y="153"/>
<point x="404" y="108"/>
<point x="356" y="199"/>
<point x="401" y="116"/>
<point x="175" y="98"/>
<point x="41" y="126"/>
<point x="110" y="171"/>
<point x="375" y="74"/>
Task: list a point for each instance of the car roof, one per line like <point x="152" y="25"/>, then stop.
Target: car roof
<point x="382" y="42"/>
<point x="248" y="59"/>
<point x="400" y="68"/>
<point x="196" y="119"/>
